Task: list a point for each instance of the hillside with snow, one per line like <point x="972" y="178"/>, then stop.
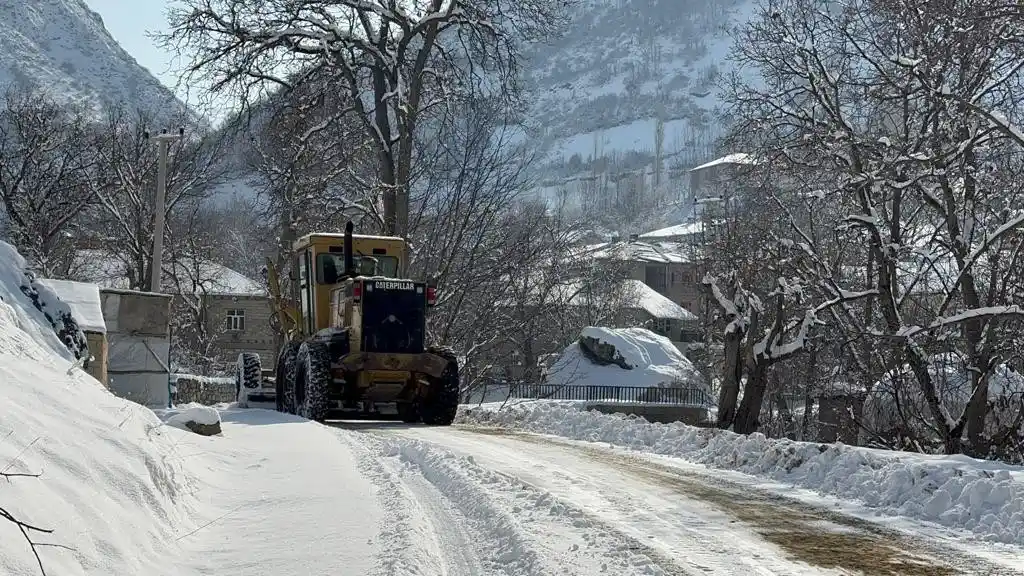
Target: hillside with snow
<point x="63" y="48"/>
<point x="625" y="102"/>
<point x="95" y="476"/>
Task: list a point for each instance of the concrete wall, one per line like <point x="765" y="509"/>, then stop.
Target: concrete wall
<point x="664" y="414"/>
<point x="138" y="339"/>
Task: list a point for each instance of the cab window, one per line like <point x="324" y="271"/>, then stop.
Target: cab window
<point x="331" y="266"/>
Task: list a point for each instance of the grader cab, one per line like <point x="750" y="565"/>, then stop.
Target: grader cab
<point x="359" y="338"/>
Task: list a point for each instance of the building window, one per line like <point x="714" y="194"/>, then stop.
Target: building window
<point x="663" y="327"/>
<point x="235" y="320"/>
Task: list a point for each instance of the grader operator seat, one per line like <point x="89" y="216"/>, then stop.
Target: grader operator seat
<point x="367" y="266"/>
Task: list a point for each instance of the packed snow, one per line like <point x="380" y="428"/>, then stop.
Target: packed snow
<point x="982" y="497"/>
<point x="654" y="361"/>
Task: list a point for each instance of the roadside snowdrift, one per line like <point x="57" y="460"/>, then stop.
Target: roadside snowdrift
<point x="653" y="360"/>
<point x="110" y="484"/>
<point x="986" y="498"/>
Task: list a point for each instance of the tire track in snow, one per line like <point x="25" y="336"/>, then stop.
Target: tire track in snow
<point x="527" y="530"/>
<point x="409" y="544"/>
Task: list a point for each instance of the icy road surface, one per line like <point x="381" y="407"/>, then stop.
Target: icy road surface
<point x="485" y="501"/>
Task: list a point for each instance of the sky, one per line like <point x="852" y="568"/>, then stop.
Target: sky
<point x="129" y="21"/>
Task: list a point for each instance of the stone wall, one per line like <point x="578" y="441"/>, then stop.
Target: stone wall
<point x="206" y="391"/>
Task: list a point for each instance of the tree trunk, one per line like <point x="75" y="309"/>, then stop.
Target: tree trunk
<point x="748" y="415"/>
<point x="731" y="376"/>
<point x="809" y="390"/>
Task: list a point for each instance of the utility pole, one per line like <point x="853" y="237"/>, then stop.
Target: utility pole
<point x="163" y="140"/>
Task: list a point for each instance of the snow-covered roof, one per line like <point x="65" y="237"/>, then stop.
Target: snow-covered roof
<point x="634" y="294"/>
<point x="341" y="236"/>
<point x="643" y="297"/>
<point x="203" y="276"/>
<point x="736" y="158"/>
<point x="84" y="301"/>
<point x="684" y="229"/>
<point x="637" y="251"/>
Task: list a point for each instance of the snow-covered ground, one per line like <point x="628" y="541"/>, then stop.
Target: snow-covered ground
<point x="97" y="480"/>
<point x="103" y="486"/>
<point x="983" y="498"/>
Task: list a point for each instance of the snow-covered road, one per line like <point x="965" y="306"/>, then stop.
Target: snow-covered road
<point x="496" y="502"/>
<point x="282" y="495"/>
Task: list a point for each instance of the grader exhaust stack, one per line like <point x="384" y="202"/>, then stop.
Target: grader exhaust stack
<point x="350" y="267"/>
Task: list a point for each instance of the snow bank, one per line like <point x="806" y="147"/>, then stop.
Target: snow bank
<point x="983" y="497"/>
<point x="655" y="362"/>
<point x="36" y="309"/>
<point x="110" y="483"/>
<point x="191" y="412"/>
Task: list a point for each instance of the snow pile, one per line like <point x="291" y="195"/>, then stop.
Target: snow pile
<point x="38" y="310"/>
<point x="654" y="362"/>
<point x="983" y="497"/>
<point x="102" y="473"/>
<point x="191" y="412"/>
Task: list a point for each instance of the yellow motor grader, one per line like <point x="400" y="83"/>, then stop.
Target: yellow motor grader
<point x="356" y="337"/>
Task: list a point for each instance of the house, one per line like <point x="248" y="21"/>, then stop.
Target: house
<point x="86" y="308"/>
<point x="234" y="310"/>
<point x="665" y="267"/>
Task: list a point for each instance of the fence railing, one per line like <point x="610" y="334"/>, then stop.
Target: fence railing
<point x="678" y="396"/>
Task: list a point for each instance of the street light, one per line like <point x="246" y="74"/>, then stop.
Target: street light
<point x="163" y="140"/>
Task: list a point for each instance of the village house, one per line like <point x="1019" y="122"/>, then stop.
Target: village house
<point x="235" y="310"/>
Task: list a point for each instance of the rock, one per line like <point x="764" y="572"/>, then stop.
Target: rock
<point x="195" y="418"/>
<point x="602" y="353"/>
<point x="203" y="429"/>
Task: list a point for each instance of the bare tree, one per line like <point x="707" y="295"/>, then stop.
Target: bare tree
<point x="194" y="240"/>
<point x="887" y="110"/>
<point x="47" y="164"/>
<point x="399" y="61"/>
<point x="124" y="226"/>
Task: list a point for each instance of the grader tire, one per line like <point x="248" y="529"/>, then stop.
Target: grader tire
<point x="312" y="381"/>
<point x="442" y="402"/>
<point x="284" y="381"/>
<point x="248" y="374"/>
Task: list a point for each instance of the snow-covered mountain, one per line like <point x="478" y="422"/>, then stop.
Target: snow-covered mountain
<point x="62" y="47"/>
<point x="624" y="102"/>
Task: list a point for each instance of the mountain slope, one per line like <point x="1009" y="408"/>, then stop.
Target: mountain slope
<point x="624" y="102"/>
<point x="63" y="48"/>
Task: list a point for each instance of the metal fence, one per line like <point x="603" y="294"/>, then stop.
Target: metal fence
<point x="677" y="396"/>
